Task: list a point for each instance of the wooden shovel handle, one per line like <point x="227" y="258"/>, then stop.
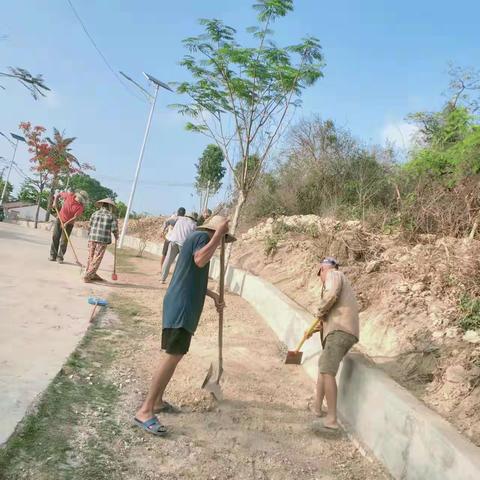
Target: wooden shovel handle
<point x="221" y="294"/>
<point x="308" y="332"/>
<point x="115" y="257"/>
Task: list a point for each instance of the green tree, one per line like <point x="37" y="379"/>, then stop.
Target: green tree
<point x="451" y="150"/>
<point x="210" y="172"/>
<point x="30" y="192"/>
<point x="8" y="191"/>
<point x="242" y="96"/>
<point x="121" y="209"/>
<point x="94" y="189"/>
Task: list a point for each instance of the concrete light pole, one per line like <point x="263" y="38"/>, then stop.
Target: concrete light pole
<point x="157" y="84"/>
<point x="18" y="138"/>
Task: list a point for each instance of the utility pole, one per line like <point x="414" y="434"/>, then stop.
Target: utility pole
<point x="157" y="84"/>
<point x="15" y="145"/>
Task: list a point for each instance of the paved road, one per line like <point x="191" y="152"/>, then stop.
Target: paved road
<point x="43" y="315"/>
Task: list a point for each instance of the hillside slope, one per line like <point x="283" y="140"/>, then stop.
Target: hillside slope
<point x="418" y="314"/>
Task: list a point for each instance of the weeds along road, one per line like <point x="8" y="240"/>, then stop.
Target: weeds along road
<point x="83" y="427"/>
<point x="44" y="314"/>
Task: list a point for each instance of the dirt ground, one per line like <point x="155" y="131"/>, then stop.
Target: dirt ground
<point x="262" y="429"/>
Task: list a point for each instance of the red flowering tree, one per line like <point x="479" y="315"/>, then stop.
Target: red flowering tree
<point x="62" y="163"/>
<point x="52" y="159"/>
<point x="40" y="150"/>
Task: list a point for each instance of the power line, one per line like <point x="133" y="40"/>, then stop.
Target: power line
<point x="150" y="183"/>
<point x="103" y="57"/>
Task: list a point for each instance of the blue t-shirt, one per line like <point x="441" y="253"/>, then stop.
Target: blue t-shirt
<point x="183" y="302"/>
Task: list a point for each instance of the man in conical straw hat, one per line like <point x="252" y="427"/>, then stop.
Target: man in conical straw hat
<point x="103" y="223"/>
<point x="182" y="307"/>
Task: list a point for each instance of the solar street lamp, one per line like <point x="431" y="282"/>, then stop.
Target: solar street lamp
<point x="157" y="84"/>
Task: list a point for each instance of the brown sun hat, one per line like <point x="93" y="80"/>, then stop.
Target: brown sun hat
<point x="213" y="223"/>
<point x="106" y="201"/>
<point x="82" y="197"/>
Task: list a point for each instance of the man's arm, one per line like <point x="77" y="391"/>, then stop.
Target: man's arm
<point x="216" y="298"/>
<point x="204" y="255"/>
<point x="56" y="197"/>
<point x="332" y="292"/>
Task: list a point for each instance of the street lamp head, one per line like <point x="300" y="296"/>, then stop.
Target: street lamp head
<point x="157" y="82"/>
<point x="18" y="138"/>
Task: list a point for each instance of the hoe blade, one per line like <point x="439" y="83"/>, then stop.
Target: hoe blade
<point x="294" y="358"/>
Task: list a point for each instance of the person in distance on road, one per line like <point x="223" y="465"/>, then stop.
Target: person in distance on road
<point x="72" y="208"/>
<point x="103" y="223"/>
<point x="168" y="227"/>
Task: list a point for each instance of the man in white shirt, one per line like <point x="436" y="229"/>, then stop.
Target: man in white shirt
<point x="168" y="227"/>
<point x="184" y="226"/>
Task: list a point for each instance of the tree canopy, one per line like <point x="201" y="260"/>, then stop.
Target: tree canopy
<point x="242" y="96"/>
<point x="210" y="169"/>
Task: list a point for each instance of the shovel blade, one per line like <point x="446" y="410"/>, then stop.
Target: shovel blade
<point x="212" y="382"/>
<point x="294" y="358"/>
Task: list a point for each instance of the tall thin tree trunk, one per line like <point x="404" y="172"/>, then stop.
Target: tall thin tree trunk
<point x="242" y="197"/>
<point x="39" y="199"/>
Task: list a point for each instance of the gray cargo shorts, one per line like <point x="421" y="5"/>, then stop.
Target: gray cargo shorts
<point x="336" y="346"/>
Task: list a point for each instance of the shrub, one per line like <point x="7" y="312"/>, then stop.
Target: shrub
<point x="470" y="309"/>
<point x="271" y="245"/>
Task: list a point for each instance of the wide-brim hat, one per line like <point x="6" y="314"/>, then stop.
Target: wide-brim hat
<point x="213" y="223"/>
<point x="82" y="197"/>
<point x="105" y="201"/>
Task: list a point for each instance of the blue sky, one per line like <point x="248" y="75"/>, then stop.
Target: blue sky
<point x="384" y="60"/>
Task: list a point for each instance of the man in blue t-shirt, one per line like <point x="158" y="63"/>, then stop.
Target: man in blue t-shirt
<point x="182" y="307"/>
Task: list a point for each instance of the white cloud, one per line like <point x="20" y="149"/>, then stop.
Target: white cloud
<point x="401" y="134"/>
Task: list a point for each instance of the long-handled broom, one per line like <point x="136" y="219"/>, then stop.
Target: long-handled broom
<point x="68" y="237"/>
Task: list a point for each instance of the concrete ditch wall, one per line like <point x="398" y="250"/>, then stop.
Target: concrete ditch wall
<point x="412" y="441"/>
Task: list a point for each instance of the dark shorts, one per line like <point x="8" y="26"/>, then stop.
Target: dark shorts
<point x="176" y="341"/>
<point x="165" y="247"/>
<point x="337" y="345"/>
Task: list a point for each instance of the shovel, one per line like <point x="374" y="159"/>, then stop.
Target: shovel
<point x="294" y="357"/>
<point x="214" y="374"/>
